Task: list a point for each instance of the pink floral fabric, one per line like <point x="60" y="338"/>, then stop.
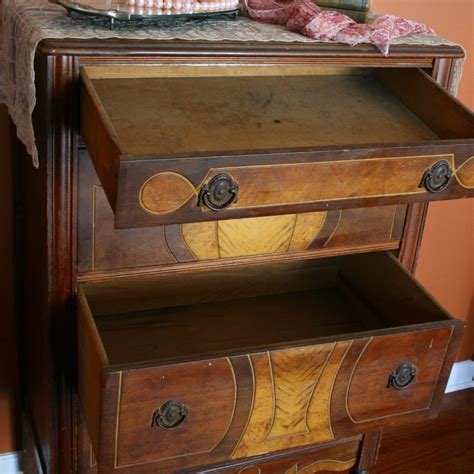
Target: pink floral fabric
<point x="307" y="18"/>
<point x="268" y="11"/>
<point x="300" y="14"/>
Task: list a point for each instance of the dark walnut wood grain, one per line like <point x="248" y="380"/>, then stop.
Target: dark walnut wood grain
<point x="265" y="358"/>
<point x="45" y="237"/>
<point x="164" y="141"/>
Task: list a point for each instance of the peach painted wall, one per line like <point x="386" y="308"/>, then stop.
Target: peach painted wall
<point x="446" y="260"/>
<point x="446" y="264"/>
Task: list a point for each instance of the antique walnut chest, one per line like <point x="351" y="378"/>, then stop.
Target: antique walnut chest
<point x="229" y="232"/>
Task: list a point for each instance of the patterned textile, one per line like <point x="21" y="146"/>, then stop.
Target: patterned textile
<point x="330" y="25"/>
<point x="24" y="23"/>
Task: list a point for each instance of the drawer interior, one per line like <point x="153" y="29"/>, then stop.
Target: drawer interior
<point x="237" y="309"/>
<point x="187" y="111"/>
<point x="183" y="115"/>
<point x="278" y="141"/>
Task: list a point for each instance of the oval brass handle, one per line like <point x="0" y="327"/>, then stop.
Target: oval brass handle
<point x="219" y="193"/>
<point x="437" y="177"/>
<point x="170" y="415"/>
<point x="403" y="376"/>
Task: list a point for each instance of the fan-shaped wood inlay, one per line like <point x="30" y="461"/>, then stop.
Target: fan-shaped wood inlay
<point x="252" y="236"/>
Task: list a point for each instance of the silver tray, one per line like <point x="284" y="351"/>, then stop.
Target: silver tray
<point x="113" y="10"/>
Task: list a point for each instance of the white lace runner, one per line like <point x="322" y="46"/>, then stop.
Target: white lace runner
<point x="24" y="23"/>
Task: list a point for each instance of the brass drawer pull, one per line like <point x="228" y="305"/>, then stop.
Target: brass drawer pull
<point x="403" y="376"/>
<point x="170" y="415"/>
<point x="219" y="193"/>
<point x="437" y="177"/>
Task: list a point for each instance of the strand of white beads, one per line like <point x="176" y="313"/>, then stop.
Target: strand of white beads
<point x="164" y="7"/>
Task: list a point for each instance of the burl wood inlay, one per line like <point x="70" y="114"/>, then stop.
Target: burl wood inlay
<point x="292" y="396"/>
<point x="338" y="457"/>
<point x="307" y="226"/>
<point x="318" y="466"/>
<point x="201" y="239"/>
<point x="166" y="192"/>
<point x="252" y="236"/>
<point x="294" y="377"/>
<point x="323" y="465"/>
<point x="465" y="173"/>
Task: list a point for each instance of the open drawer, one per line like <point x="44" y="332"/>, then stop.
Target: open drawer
<point x="181" y="370"/>
<point x="175" y="144"/>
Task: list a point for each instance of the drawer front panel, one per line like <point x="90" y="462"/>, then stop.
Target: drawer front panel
<point x="369" y="398"/>
<point x="339" y="456"/>
<point x="336" y="458"/>
<point x="101" y="247"/>
<point x="206" y="389"/>
<point x="165" y="192"/>
<point x="269" y="402"/>
<point x="296" y="184"/>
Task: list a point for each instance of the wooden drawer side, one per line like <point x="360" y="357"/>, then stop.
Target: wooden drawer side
<point x="91" y="361"/>
<point x="101" y="139"/>
<point x="439" y="109"/>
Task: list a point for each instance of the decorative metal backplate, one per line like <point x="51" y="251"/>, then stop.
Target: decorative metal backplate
<point x="403" y="376"/>
<point x="170" y="415"/>
<point x="437" y="177"/>
<point x="219" y="193"/>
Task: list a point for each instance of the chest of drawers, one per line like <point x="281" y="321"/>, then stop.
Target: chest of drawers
<point x="229" y="232"/>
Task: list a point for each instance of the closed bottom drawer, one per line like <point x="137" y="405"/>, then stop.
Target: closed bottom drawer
<point x="332" y="457"/>
<point x="181" y="371"/>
